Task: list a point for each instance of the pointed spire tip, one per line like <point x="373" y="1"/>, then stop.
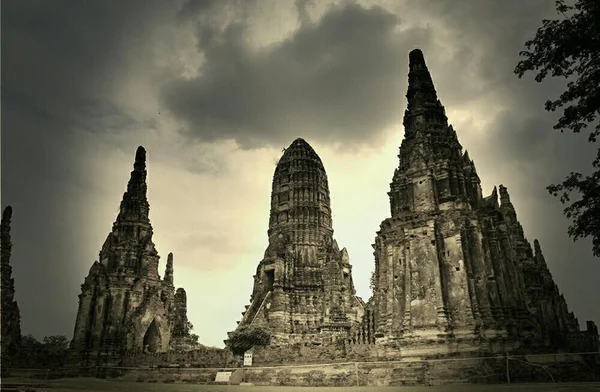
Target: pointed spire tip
<point x="140" y="156"/>
<point x="415" y="57"/>
<point x="7" y="213"/>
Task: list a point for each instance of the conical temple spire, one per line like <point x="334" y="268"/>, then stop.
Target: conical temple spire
<point x="416" y="59"/>
<point x="300" y="205"/>
<point x="169" y="269"/>
<point x="11" y="316"/>
<point x="5" y="234"/>
<point x="423" y="104"/>
<point x="539" y="256"/>
<point x="420" y="84"/>
<point x="140" y="159"/>
<point x="7" y="214"/>
<point x="537" y="247"/>
<point x="134" y="205"/>
<point x="504" y="196"/>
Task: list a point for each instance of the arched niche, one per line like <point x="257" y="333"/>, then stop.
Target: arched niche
<point x="152" y="340"/>
<point x="147" y="325"/>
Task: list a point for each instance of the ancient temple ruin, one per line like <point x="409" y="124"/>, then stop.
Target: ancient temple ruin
<point x="11" y="318"/>
<point x="124" y="305"/>
<point x="451" y="264"/>
<point x="303" y="289"/>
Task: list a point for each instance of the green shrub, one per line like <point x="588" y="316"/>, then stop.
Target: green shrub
<point x="244" y="338"/>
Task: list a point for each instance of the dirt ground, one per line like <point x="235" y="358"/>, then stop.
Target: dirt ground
<point x="97" y="385"/>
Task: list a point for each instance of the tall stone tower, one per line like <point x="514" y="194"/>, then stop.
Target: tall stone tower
<point x="11" y="318"/>
<point x="303" y="289"/>
<point x="124" y="304"/>
<point x="450" y="263"/>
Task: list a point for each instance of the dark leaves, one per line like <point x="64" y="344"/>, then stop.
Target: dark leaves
<point x="52" y="352"/>
<point x="570" y="48"/>
<point x="244" y="338"/>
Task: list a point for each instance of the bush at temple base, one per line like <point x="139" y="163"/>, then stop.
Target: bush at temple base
<point x="245" y="338"/>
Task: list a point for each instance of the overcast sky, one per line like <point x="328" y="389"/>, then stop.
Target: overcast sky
<point x="214" y="90"/>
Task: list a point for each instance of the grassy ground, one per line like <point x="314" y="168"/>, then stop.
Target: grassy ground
<point x="97" y="385"/>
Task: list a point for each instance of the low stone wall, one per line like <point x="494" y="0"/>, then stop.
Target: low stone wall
<point x="299" y="354"/>
<point x="203" y="357"/>
<point x="50" y="374"/>
<point x="164" y="375"/>
<point x="343" y="364"/>
<point x="340" y="374"/>
<point x="394" y="373"/>
<point x="343" y="352"/>
<point x="552" y="367"/>
<point x="390" y="373"/>
<point x="449" y="370"/>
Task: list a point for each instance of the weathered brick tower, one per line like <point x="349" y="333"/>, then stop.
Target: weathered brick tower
<point x="11" y="318"/>
<point x="124" y="304"/>
<point x="449" y="263"/>
<point x="303" y="288"/>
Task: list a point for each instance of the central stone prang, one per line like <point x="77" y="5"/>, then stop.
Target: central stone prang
<point x="303" y="289"/>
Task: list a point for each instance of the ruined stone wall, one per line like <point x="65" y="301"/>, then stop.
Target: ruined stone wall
<point x="11" y="319"/>
<point x="180" y="324"/>
<point x="329" y="353"/>
<point x="201" y="357"/>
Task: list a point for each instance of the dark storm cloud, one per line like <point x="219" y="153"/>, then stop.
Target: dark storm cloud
<point x="301" y="8"/>
<point x="55" y="53"/>
<point x="339" y="78"/>
<point x="64" y="59"/>
<point x="522" y="131"/>
<point x="60" y="64"/>
<point x="484" y="40"/>
<point x="192" y="8"/>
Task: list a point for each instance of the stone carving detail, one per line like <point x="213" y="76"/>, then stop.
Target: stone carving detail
<point x="11" y="318"/>
<point x="303" y="290"/>
<point x="124" y="305"/>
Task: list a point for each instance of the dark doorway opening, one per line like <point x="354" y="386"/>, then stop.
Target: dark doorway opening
<point x="152" y="338"/>
<point x="270" y="279"/>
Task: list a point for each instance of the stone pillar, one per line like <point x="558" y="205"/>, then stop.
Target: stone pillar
<point x="480" y="276"/>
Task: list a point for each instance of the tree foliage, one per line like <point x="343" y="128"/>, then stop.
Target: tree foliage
<point x="52" y="351"/>
<point x="569" y="47"/>
<point x="191" y="338"/>
<point x="244" y="338"/>
<point x="183" y="339"/>
<point x="373" y="282"/>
